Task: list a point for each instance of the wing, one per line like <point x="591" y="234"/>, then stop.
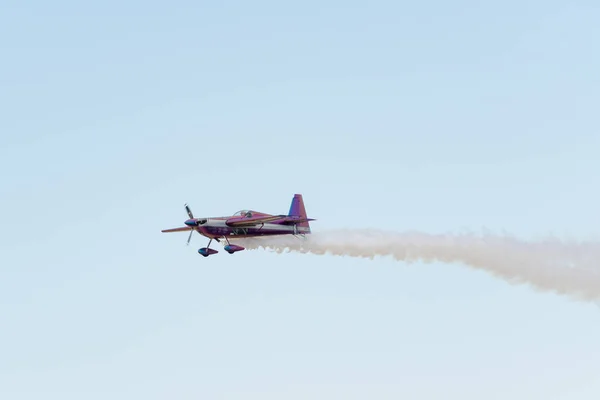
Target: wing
<point x="251" y="221"/>
<point x="182" y="229"/>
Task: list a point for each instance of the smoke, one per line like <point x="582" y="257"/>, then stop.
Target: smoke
<point x="562" y="267"/>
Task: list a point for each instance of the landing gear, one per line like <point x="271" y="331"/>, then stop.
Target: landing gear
<point x="232" y="248"/>
<point x="206" y="251"/>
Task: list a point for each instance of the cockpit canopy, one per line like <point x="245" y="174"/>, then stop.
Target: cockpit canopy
<point x="243" y="213"/>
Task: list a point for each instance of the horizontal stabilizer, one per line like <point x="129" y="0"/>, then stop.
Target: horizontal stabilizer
<point x="296" y="220"/>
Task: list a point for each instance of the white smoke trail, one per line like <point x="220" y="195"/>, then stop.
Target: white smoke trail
<point x="567" y="268"/>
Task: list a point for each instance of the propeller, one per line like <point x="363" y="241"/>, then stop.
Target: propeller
<point x="190" y="237"/>
<point x="189" y="211"/>
<point x="190" y="223"/>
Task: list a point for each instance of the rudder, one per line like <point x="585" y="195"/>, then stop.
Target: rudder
<point x="297" y="210"/>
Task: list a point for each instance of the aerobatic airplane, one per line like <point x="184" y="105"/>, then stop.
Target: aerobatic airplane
<point x="246" y="223"/>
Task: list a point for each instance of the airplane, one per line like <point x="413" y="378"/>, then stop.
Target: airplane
<point x="246" y="223"/>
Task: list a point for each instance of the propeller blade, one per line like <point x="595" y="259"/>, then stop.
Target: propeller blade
<point x="190" y="237"/>
<point x="189" y="211"/>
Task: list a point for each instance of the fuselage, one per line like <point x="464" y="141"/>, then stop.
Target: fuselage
<point x="217" y="228"/>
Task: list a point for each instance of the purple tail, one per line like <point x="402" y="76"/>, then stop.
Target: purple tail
<point x="297" y="210"/>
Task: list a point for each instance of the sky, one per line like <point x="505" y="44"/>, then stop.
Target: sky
<point x="432" y="116"/>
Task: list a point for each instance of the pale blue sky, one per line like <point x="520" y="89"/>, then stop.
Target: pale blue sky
<point x="436" y="116"/>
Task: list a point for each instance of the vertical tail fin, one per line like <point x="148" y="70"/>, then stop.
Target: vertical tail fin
<point x="297" y="210"/>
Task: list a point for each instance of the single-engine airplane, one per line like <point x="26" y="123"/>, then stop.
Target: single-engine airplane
<point x="246" y="223"/>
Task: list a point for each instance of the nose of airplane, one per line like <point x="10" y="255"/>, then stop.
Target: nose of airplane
<point x="191" y="222"/>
